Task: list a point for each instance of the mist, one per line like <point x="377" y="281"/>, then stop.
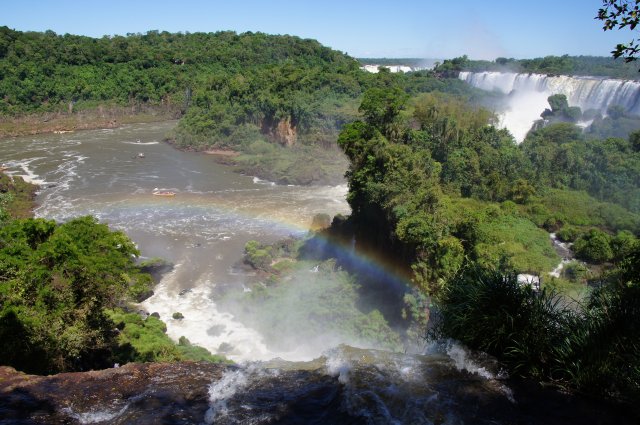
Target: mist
<point x="525" y="95"/>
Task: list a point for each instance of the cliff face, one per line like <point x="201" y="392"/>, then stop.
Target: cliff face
<point x="281" y="131"/>
<point x="134" y="393"/>
<point x="285" y="132"/>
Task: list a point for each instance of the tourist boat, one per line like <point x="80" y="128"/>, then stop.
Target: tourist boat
<point x="140" y="155"/>
<point x="163" y="193"/>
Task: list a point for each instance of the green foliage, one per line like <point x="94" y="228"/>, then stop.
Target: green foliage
<point x="620" y="14"/>
<point x="558" y="102"/>
<point x="617" y="123"/>
<point x="568" y="233"/>
<point x="594" y="247"/>
<point x="177" y="315"/>
<point x="580" y="209"/>
<point x="517" y="241"/>
<point x="575" y="272"/>
<point x="491" y="312"/>
<point x="381" y="107"/>
<point x="191" y="352"/>
<point x="55" y="281"/>
<point x="559" y="65"/>
<point x="292" y="165"/>
<point x="609" y="169"/>
<point x="257" y="255"/>
<point x="602" y="354"/>
<point x="560" y="110"/>
<point x="592" y="347"/>
<point x="16" y="197"/>
<point x="145" y="340"/>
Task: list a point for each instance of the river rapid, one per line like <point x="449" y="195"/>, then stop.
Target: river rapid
<point x="202" y="230"/>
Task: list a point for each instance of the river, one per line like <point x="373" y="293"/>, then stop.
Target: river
<point x="202" y="230"/>
<point x="112" y="173"/>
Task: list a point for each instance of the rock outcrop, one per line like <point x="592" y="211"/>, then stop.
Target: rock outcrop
<point x="133" y="393"/>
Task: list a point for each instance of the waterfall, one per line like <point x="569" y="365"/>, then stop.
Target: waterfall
<point x="528" y="95"/>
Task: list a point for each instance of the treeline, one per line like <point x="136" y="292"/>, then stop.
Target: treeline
<point x="450" y="195"/>
<point x="227" y="78"/>
<point x="412" y="62"/>
<point x="597" y="66"/>
<point x="41" y="70"/>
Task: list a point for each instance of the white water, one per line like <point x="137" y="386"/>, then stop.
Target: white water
<point x="528" y="95"/>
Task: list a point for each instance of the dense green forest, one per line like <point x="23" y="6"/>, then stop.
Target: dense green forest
<point x="467" y="209"/>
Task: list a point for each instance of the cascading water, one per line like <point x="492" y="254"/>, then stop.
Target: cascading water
<point x="528" y="95"/>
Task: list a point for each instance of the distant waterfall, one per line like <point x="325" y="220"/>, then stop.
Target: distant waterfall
<point x="528" y="94"/>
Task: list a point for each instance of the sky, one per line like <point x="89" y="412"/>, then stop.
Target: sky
<point x="481" y="29"/>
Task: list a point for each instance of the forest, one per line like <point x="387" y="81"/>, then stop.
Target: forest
<point x="454" y="200"/>
<point x="468" y="209"/>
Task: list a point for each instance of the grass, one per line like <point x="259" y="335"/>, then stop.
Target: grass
<point x="580" y="209"/>
<point x="21" y="196"/>
<point x="505" y="233"/>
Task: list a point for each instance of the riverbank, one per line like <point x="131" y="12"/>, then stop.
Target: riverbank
<point x="298" y="165"/>
<point x="103" y="116"/>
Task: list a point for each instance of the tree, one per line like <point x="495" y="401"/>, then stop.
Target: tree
<point x="381" y="107"/>
<point x="620" y="14"/>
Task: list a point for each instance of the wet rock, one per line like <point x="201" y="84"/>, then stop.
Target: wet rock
<point x="225" y="347"/>
<point x="133" y="393"/>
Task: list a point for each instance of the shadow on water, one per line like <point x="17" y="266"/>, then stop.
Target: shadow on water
<point x="383" y="280"/>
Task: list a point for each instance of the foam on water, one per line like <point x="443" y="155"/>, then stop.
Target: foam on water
<point x="96" y="416"/>
<point x="139" y="143"/>
<point x="257" y="180"/>
<point x="203" y="324"/>
<point x="528" y="93"/>
<point x="462" y="361"/>
<point x="214" y="212"/>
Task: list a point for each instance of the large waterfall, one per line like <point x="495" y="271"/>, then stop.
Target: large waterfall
<point x="528" y="95"/>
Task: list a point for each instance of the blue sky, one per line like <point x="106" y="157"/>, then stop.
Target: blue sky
<point x="398" y="28"/>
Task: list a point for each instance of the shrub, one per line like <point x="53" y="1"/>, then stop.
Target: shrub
<point x="491" y="312"/>
<point x="594" y="247"/>
<point x="567" y="234"/>
<point x="257" y="255"/>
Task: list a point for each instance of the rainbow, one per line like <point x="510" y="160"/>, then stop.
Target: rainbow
<point x="223" y="206"/>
